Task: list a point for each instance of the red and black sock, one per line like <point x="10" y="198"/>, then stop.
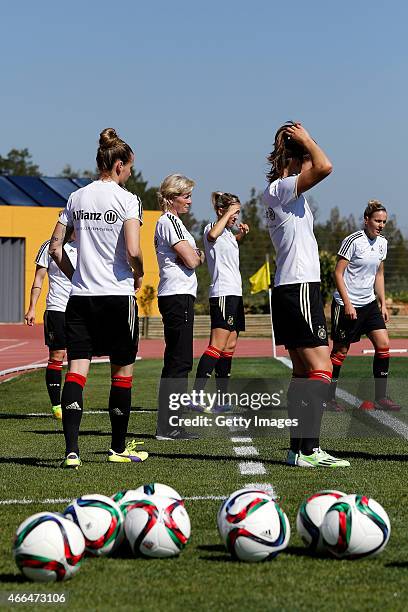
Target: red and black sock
<point x="206" y="365"/>
<point x="119" y="410"/>
<point x="317" y="395"/>
<point x="337" y="360"/>
<point x="381" y="364"/>
<point x="53" y="376"/>
<point x="223" y="373"/>
<point x="72" y="408"/>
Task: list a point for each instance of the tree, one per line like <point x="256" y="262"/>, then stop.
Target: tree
<point x="136" y="184"/>
<point x="68" y="172"/>
<point x="18" y="163"/>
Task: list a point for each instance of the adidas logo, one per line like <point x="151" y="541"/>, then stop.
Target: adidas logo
<point x="73" y="406"/>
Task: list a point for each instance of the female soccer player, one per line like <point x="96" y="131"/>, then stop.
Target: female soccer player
<point x="101" y="315"/>
<point x="59" y="288"/>
<point x="177" y="257"/>
<point x="297" y="164"/>
<point x="359" y="277"/>
<point x="225" y="293"/>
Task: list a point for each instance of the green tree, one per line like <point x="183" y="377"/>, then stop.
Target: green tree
<point x="327" y="265"/>
<point x="69" y="172"/>
<point x="136" y="184"/>
<point x="18" y="163"/>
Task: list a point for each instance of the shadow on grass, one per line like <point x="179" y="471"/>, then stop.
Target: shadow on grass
<point x="16" y="578"/>
<point x="366" y="455"/>
<point x="398" y="564"/>
<point x="32" y="461"/>
<point x="203" y="457"/>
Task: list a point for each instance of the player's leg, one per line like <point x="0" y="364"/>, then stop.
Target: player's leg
<point x="54" y="335"/>
<point x="296" y="404"/>
<point x="72" y="404"/>
<point x="338" y="355"/>
<point x="223" y="372"/>
<point x="211" y="357"/>
<point x="381" y="364"/>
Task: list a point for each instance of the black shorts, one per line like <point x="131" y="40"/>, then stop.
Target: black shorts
<point x="348" y="331"/>
<point x="54" y="330"/>
<point x="298" y="316"/>
<point x="227" y="312"/>
<point x="102" y="325"/>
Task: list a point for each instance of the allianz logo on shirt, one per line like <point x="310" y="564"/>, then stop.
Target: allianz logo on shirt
<point x="110" y="216"/>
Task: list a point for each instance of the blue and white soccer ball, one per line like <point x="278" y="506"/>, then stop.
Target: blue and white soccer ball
<point x="48" y="547"/>
<point x="157" y="526"/>
<point x="127" y="498"/>
<point x="253" y="526"/>
<point x="101" y="521"/>
<point x="310" y="517"/>
<point x="355" y="527"/>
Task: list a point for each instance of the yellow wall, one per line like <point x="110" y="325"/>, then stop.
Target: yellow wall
<point x="35" y="224"/>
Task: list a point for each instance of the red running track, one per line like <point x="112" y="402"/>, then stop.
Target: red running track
<point x="21" y="345"/>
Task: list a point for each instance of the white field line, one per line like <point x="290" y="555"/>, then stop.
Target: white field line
<point x="372" y="351"/>
<point x="237" y="439"/>
<point x="385" y="418"/>
<point x="9" y="339"/>
<point x="85" y="412"/>
<point x="35" y="365"/>
<point x="50" y="501"/>
<point x="6" y="348"/>
<point x="245" y="451"/>
<point x="252" y="468"/>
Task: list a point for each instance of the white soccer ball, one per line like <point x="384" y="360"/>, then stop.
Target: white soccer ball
<point x="310" y="517"/>
<point x="253" y="526"/>
<point x="48" y="547"/>
<point x="355" y="527"/>
<point x="100" y="520"/>
<point x="126" y="499"/>
<point x="157" y="526"/>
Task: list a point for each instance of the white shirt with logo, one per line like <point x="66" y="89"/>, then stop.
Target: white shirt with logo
<point x="175" y="277"/>
<point x="365" y="256"/>
<point x="290" y="223"/>
<point x="223" y="263"/>
<point x="98" y="212"/>
<point x="59" y="286"/>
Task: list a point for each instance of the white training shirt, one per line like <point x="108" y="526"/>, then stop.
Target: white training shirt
<point x="365" y="256"/>
<point x="290" y="223"/>
<point x="59" y="286"/>
<point x="223" y="263"/>
<point x="98" y="212"/>
<point x="175" y="277"/>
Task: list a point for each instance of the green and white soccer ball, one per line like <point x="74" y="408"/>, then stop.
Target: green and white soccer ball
<point x="48" y="547"/>
<point x="355" y="527"/>
<point x="310" y="517"/>
<point x="127" y="498"/>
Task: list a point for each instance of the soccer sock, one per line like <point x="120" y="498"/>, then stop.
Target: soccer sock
<point x="205" y="367"/>
<point x="223" y="373"/>
<point x="53" y="375"/>
<point x="317" y="394"/>
<point x="72" y="407"/>
<point x="337" y="360"/>
<point x="381" y="364"/>
<point x="119" y="410"/>
<point x="296" y="408"/>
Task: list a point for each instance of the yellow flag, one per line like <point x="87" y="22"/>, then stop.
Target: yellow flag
<point x="260" y="281"/>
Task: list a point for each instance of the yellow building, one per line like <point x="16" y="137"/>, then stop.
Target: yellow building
<point x="30" y="226"/>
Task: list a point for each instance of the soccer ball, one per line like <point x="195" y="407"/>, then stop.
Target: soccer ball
<point x="100" y="520"/>
<point x="355" y="527"/>
<point x="48" y="548"/>
<point x="157" y="526"/>
<point x="127" y="499"/>
<point x="253" y="526"/>
<point x="310" y="516"/>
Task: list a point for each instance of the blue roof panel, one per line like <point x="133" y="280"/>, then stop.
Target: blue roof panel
<point x="82" y="182"/>
<point x="38" y="191"/>
<point x="63" y="186"/>
<point x="12" y="195"/>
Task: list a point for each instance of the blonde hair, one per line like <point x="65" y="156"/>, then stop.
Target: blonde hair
<point x="111" y="149"/>
<point x="220" y="199"/>
<point x="172" y="186"/>
<point x="372" y="207"/>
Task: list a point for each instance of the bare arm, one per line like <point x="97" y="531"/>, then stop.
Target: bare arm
<point x="57" y="251"/>
<point x="131" y="230"/>
<point x="339" y="270"/>
<point x="380" y="291"/>
<point x="217" y="229"/>
<point x="36" y="287"/>
<point x="190" y="257"/>
<point x="320" y="166"/>
<point x="243" y="231"/>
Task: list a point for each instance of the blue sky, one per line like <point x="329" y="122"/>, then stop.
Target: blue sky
<point x="200" y="88"/>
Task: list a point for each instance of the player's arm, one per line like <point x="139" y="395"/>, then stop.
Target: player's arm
<point x="243" y="231"/>
<point x="379" y="288"/>
<point x="134" y="252"/>
<point x="217" y="229"/>
<point x="320" y="166"/>
<point x="339" y="270"/>
<point x="35" y="293"/>
<point x="57" y="251"/>
<point x="191" y="258"/>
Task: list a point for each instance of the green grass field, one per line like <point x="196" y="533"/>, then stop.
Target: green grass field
<point x="203" y="577"/>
